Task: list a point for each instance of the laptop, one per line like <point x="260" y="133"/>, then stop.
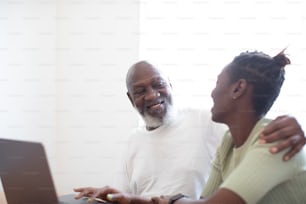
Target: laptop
<point x="26" y="176"/>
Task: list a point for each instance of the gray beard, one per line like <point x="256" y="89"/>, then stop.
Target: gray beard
<point x="152" y="122"/>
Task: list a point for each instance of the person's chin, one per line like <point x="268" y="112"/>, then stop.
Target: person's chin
<point x="156" y="116"/>
<point x="152" y="121"/>
<point x="213" y="115"/>
<point x="217" y="117"/>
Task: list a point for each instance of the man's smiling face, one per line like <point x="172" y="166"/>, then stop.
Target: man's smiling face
<point x="150" y="93"/>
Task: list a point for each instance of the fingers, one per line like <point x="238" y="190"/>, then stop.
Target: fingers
<point x="292" y="152"/>
<point x="103" y="192"/>
<point x="113" y="197"/>
<point x="280" y="128"/>
<point x="283" y="127"/>
<point x="88" y="191"/>
<point x="160" y="200"/>
<point x="118" y="198"/>
<point x="288" y="132"/>
<point x="294" y="144"/>
<point x="274" y="125"/>
<point x="276" y="135"/>
<point x="94" y="192"/>
<point x="126" y="198"/>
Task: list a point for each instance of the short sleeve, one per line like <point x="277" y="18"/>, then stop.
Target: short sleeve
<point x="261" y="171"/>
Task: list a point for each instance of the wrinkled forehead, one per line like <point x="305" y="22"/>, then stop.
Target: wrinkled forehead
<point x="144" y="73"/>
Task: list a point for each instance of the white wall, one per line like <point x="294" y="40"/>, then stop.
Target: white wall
<point x="194" y="40"/>
<point x="62" y="82"/>
<point x="97" y="43"/>
<point x="27" y="70"/>
<point x="63" y="64"/>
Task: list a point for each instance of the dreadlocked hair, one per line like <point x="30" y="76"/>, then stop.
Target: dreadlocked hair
<point x="265" y="73"/>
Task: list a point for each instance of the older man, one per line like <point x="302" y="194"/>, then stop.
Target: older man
<point x="172" y="152"/>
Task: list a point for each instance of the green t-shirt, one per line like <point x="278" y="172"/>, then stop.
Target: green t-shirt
<point x="255" y="174"/>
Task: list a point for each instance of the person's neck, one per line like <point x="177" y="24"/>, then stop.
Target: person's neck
<point x="241" y="125"/>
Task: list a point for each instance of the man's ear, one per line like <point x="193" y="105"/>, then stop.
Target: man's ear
<point x="130" y="98"/>
<point x="239" y="88"/>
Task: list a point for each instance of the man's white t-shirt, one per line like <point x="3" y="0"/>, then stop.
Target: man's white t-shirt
<point x="174" y="158"/>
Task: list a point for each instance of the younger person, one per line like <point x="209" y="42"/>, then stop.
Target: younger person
<point x="243" y="171"/>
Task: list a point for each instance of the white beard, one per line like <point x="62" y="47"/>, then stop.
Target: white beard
<point x="153" y="122"/>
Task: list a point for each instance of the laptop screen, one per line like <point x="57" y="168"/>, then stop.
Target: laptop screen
<point x="25" y="173"/>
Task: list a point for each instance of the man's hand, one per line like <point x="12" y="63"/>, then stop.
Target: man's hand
<point x="111" y="194"/>
<point x="288" y="130"/>
<point x="160" y="200"/>
<point x="126" y="198"/>
<point x="92" y="192"/>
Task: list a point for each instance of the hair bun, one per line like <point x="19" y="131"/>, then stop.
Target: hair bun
<point x="281" y="59"/>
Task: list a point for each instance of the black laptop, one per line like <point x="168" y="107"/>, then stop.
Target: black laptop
<point x="26" y="177"/>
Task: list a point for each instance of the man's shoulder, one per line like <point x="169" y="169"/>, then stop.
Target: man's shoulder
<point x="194" y="111"/>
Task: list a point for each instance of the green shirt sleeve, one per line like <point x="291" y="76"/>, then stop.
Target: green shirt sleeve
<point x="259" y="172"/>
<point x="253" y="173"/>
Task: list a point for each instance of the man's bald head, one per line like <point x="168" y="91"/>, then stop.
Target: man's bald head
<point x="138" y="68"/>
<point x="150" y="92"/>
